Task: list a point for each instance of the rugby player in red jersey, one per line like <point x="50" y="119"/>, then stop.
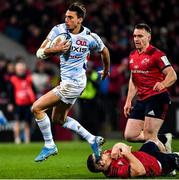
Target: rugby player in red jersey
<point x="151" y="75"/>
<point x="121" y="162"/>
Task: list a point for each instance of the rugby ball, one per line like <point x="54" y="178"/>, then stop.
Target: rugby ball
<point x="60" y="38"/>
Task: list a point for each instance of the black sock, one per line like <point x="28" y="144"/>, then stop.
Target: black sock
<point x="162" y="138"/>
<point x="167" y="161"/>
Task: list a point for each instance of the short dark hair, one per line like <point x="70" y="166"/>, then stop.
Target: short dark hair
<point x="143" y="26"/>
<point x="91" y="164"/>
<point x="79" y="8"/>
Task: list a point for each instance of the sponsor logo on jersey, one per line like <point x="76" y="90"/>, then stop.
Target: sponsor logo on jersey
<point x="131" y="61"/>
<point x="75" y="57"/>
<point x="81" y="42"/>
<point x="120" y="163"/>
<point x="139" y="71"/>
<point x="145" y="61"/>
<point x="79" y="49"/>
<point x="136" y="67"/>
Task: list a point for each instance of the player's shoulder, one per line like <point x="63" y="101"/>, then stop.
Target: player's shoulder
<point x="60" y="28"/>
<point x="155" y="51"/>
<point x="89" y="33"/>
<point x="95" y="37"/>
<point x="56" y="30"/>
<point x="86" y="31"/>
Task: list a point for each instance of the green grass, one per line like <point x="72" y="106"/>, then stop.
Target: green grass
<point x="17" y="161"/>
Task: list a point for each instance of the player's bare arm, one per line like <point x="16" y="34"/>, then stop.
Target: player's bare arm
<point x="106" y="62"/>
<point x="46" y="51"/>
<point x="170" y="78"/>
<point x="136" y="167"/>
<point x="131" y="93"/>
<point x="118" y="148"/>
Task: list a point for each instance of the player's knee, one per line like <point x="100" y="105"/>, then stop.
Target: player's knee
<point x="35" y="109"/>
<point x="128" y="137"/>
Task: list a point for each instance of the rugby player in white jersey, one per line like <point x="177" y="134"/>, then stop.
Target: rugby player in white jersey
<point x="73" y="79"/>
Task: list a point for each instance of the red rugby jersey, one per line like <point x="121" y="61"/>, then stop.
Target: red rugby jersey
<point x="121" y="167"/>
<point x="146" y="69"/>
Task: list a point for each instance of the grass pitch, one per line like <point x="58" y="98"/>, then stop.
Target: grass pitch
<point x="17" y="161"/>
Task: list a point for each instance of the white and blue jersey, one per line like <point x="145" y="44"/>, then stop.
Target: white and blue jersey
<point x="73" y="64"/>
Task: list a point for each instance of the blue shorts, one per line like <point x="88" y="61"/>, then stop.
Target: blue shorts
<point x="155" y="106"/>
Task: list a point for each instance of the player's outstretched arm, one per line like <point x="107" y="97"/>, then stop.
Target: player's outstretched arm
<point x="132" y="90"/>
<point x="106" y="63"/>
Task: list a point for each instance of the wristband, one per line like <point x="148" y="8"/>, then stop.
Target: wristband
<point x="40" y="53"/>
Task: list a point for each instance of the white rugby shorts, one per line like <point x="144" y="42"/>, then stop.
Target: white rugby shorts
<point x="69" y="91"/>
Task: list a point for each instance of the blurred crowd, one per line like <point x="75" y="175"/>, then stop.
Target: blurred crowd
<point x="19" y="88"/>
<point x="28" y="22"/>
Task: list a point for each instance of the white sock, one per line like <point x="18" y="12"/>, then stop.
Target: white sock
<point x="75" y="126"/>
<point x="45" y="128"/>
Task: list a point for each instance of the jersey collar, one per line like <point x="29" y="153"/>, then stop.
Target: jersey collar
<point x="149" y="48"/>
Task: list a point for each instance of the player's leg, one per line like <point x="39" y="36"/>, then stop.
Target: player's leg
<point x="59" y="115"/>
<point x="165" y="144"/>
<point x="135" y="123"/>
<point x="155" y="112"/>
<point x="68" y="97"/>
<point x="43" y="103"/>
<point x="39" y="107"/>
<point x="166" y="139"/>
<point x="134" y="130"/>
<point x="160" y="106"/>
<point x="169" y="162"/>
<point x="151" y="129"/>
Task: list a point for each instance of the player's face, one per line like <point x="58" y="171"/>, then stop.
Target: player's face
<point x="72" y="21"/>
<point x="141" y="39"/>
<point x="105" y="161"/>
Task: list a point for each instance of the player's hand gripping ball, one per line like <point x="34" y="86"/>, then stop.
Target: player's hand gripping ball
<point x="60" y="38"/>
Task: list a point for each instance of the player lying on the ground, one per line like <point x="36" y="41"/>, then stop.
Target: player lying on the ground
<point x="121" y="162"/>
